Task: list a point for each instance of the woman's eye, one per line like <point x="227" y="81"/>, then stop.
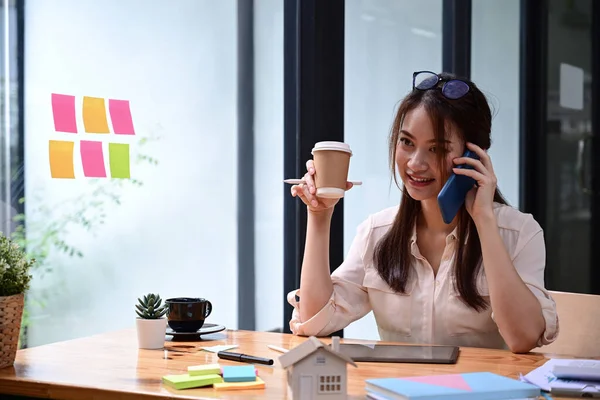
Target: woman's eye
<point x="405" y="142"/>
<point x="436" y="149"/>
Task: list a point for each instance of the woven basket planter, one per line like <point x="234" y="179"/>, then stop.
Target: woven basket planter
<point x="11" y="311"/>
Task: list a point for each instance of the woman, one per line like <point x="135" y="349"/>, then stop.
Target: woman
<point x="478" y="281"/>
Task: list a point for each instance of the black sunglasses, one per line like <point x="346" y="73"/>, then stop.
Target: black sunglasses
<point x="452" y="88"/>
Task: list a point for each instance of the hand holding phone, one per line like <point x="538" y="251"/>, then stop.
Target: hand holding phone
<point x="453" y="194"/>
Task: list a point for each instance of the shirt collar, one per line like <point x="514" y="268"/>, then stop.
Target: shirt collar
<point x="451" y="236"/>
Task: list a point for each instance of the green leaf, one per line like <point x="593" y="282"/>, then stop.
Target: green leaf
<point x="142" y="303"/>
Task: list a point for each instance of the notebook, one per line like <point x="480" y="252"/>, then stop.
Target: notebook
<point x="468" y="386"/>
<point x="186" y="381"/>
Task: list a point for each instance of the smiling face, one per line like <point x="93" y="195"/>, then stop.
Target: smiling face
<point x="417" y="157"/>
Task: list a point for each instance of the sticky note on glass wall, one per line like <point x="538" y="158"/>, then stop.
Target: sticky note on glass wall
<point x="571" y="87"/>
<point x="92" y="159"/>
<point x="61" y="159"/>
<point x="94" y="115"/>
<point x="63" y="112"/>
<point x="120" y="116"/>
<point x="118" y="154"/>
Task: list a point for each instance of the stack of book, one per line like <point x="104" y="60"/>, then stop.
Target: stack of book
<point x="476" y="385"/>
<point x="221" y="378"/>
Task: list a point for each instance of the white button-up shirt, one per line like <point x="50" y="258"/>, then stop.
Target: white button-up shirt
<point x="431" y="311"/>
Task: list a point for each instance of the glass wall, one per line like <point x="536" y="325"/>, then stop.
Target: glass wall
<point x="130" y="143"/>
<point x="495" y="47"/>
<point x="386" y="41"/>
<point x="10" y="153"/>
<point x="268" y="162"/>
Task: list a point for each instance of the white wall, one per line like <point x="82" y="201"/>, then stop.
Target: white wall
<point x="495" y="69"/>
<point x="176" y="234"/>
<point x="268" y="158"/>
<point x="386" y="41"/>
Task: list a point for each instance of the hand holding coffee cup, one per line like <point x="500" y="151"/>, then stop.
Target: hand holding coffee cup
<point x="325" y="181"/>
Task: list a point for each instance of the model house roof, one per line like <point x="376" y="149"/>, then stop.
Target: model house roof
<point x="305" y="349"/>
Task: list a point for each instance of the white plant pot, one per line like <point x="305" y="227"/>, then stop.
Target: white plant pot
<point x="151" y="333"/>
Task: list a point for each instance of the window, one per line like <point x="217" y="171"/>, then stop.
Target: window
<point x="495" y="67"/>
<point x="330" y="383"/>
<point x="386" y="41"/>
<point x="149" y="135"/>
<point x="320" y="360"/>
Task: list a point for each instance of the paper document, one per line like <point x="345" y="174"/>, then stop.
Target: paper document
<point x="545" y="380"/>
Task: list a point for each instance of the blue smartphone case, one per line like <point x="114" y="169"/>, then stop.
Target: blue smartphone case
<point x="453" y="194"/>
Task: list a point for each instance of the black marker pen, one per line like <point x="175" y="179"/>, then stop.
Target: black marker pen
<point x="244" y="358"/>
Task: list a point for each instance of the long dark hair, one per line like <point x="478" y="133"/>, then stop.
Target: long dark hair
<point x="472" y="117"/>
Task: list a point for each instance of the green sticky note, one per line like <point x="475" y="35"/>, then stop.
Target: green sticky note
<point x="119" y="160"/>
<point x="186" y="381"/>
<point x="206" y="369"/>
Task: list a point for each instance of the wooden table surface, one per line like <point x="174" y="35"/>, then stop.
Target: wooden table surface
<point x="111" y="366"/>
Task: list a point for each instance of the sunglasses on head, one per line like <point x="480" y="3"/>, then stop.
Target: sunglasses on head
<point x="451" y="88"/>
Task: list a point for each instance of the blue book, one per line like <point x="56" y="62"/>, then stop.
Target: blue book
<point x="468" y="386"/>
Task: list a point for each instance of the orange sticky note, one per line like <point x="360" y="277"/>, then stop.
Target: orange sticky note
<point x="257" y="384"/>
<point x="94" y="115"/>
<point x="61" y="159"/>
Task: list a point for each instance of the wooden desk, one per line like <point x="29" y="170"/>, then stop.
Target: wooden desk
<point x="111" y="366"/>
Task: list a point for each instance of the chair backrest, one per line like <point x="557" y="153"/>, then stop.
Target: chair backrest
<point x="579" y="322"/>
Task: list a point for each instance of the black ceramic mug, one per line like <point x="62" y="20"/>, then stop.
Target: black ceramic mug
<point x="187" y="314"/>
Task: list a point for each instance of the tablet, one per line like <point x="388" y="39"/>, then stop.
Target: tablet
<point x="399" y="353"/>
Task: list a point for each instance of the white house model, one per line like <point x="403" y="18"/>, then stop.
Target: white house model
<point x="316" y="371"/>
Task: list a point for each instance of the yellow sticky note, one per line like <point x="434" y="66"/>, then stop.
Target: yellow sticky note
<point x="257" y="384"/>
<point x="94" y="115"/>
<point x="61" y="159"/>
<point x="206" y="369"/>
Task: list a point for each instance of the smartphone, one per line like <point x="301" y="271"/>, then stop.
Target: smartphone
<point x="453" y="194"/>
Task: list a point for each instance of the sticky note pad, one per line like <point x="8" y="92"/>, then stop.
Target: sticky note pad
<point x="186" y="381"/>
<point x="92" y="159"/>
<point x="63" y="111"/>
<point x="118" y="154"/>
<point x="241" y="373"/>
<point x="257" y="384"/>
<point x="94" y="115"/>
<point x="120" y="115"/>
<point x="61" y="159"/>
<point x="207" y="369"/>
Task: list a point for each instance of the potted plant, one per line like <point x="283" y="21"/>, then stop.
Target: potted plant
<point x="151" y="324"/>
<point x="14" y="282"/>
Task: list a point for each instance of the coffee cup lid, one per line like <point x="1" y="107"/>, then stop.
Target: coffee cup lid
<point x="338" y="146"/>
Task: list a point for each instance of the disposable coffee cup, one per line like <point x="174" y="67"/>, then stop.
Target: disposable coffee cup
<point x="332" y="161"/>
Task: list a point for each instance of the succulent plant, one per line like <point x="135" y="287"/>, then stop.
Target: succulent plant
<point x="150" y="307"/>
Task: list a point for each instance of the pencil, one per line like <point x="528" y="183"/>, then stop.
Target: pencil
<point x="299" y="181"/>
<point x="276" y="348"/>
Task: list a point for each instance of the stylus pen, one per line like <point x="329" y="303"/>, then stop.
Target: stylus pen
<point x="277" y="348"/>
<point x="226" y="355"/>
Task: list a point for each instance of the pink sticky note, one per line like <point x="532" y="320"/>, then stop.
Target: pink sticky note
<point x="455" y="381"/>
<point x="120" y="115"/>
<point x="92" y="159"/>
<point x="63" y="110"/>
